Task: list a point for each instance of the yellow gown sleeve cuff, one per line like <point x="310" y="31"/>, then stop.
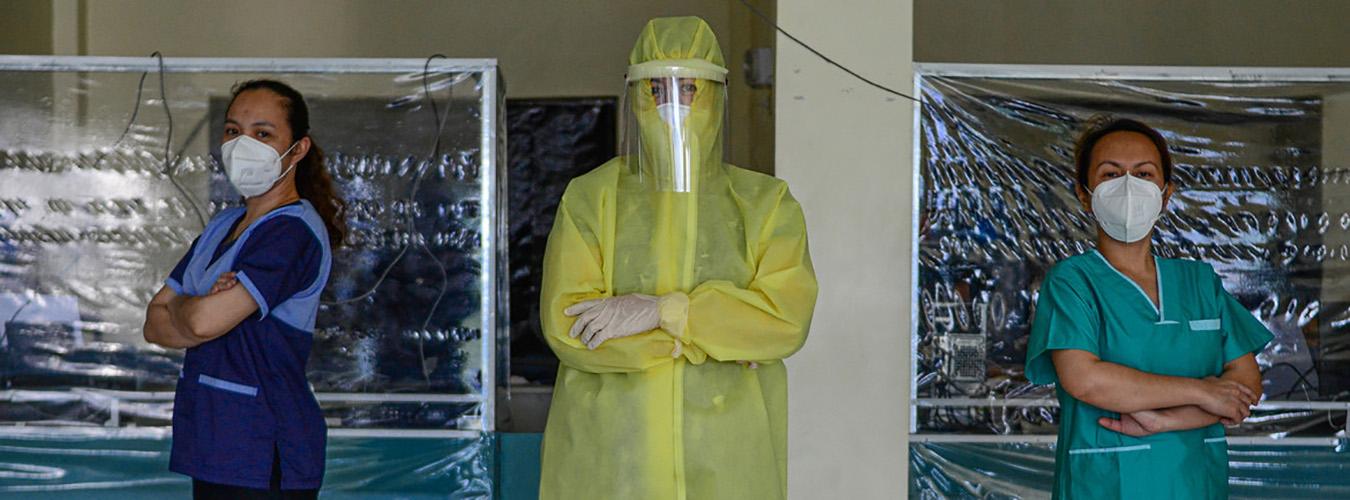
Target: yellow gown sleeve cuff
<point x="674" y="309"/>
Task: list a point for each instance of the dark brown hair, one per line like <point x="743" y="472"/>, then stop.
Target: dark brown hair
<point x="1102" y="126"/>
<point x="311" y="174"/>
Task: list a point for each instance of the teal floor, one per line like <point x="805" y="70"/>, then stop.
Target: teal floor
<point x="60" y="467"/>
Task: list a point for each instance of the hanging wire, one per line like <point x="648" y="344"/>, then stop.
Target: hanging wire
<point x="764" y="17"/>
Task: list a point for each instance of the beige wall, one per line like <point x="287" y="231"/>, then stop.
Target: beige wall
<point x="1138" y="32"/>
<point x="752" y="119"/>
<point x="25" y="27"/>
<point x="845" y="150"/>
<point x="751" y="141"/>
<point x="546" y="48"/>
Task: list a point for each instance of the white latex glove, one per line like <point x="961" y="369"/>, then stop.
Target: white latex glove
<point x="614" y="317"/>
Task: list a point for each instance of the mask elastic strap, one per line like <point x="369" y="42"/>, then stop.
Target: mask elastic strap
<point x="288" y="169"/>
<point x="283" y="155"/>
<point x="288" y="151"/>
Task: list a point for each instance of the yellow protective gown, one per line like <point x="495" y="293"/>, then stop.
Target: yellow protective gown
<point x="628" y="420"/>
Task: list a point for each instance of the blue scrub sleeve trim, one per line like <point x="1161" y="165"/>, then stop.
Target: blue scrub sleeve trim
<point x="174" y="285"/>
<point x="226" y="385"/>
<point x="263" y="308"/>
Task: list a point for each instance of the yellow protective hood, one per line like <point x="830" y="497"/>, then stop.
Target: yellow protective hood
<point x="673" y="52"/>
<point x="685" y="39"/>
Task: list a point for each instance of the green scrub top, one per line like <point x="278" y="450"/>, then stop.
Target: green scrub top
<point x="1195" y="330"/>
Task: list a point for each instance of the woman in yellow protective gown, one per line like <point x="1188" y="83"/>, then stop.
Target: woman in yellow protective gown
<point x="674" y="285"/>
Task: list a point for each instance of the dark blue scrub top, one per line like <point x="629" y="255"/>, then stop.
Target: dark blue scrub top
<point x="243" y="397"/>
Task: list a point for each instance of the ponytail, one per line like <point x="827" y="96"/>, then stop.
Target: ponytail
<point x="316" y="185"/>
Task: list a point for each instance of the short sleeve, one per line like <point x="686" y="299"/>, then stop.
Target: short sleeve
<point x="281" y="258"/>
<point x="175" y="280"/>
<point x="1243" y="333"/>
<point x="1064" y="320"/>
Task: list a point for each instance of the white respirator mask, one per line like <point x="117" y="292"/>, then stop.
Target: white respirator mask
<point x="673" y="114"/>
<point x="1127" y="207"/>
<point x="252" y="166"/>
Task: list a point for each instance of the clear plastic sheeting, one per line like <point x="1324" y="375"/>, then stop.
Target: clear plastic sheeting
<point x="1263" y="178"/>
<point x="1022" y="470"/>
<point x="1261" y="196"/>
<point x="134" y="464"/>
<point x="107" y="175"/>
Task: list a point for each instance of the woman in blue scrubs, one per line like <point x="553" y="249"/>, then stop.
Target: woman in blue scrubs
<point x="243" y="303"/>
<point x="1151" y="356"/>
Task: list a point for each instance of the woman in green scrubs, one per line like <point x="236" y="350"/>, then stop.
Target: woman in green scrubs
<point x="1151" y="356"/>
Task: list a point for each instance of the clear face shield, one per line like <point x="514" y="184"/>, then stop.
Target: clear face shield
<point x="673" y="123"/>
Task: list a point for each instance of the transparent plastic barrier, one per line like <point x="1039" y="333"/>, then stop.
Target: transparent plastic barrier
<point x="93" y="214"/>
<point x="96" y="206"/>
<point x="1263" y="176"/>
<point x="1027" y="470"/>
<point x="1262" y="195"/>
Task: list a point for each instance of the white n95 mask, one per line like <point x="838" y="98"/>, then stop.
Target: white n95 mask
<point x="1127" y="207"/>
<point x="252" y="166"/>
<point x="673" y="114"/>
<point x="681" y="172"/>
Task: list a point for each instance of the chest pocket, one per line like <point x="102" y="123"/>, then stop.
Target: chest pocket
<point x="1206" y="325"/>
<point x="1204" y="338"/>
<point x="1175" y="348"/>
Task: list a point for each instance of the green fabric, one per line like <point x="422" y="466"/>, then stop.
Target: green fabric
<point x="1086" y="304"/>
